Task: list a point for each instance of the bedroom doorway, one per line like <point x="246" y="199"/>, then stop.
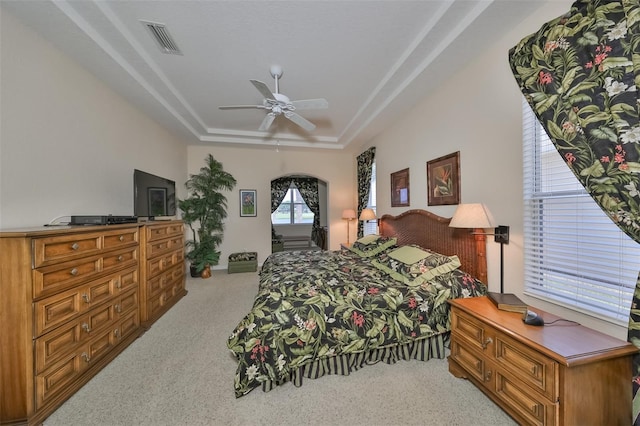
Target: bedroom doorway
<point x="298" y="213"/>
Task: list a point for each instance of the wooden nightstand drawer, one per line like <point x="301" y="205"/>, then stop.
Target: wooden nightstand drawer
<point x="529" y="366"/>
<point x="537" y="409"/>
<point x="474" y="363"/>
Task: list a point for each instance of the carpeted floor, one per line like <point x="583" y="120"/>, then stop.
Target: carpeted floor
<point x="181" y="373"/>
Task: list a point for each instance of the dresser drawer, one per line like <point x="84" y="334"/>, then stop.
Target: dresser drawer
<point x="127" y="302"/>
<point x="50" y="250"/>
<point x="66" y="338"/>
<point x="120" y="238"/>
<point x="163" y="280"/>
<point x="54" y="278"/>
<point x="126" y="280"/>
<point x="158" y="232"/>
<point x="163" y="246"/>
<point x="55" y="310"/>
<point x="53" y="381"/>
<point x="128" y="324"/>
<point x="164" y="262"/>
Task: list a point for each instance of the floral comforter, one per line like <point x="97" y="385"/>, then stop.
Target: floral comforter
<point x="315" y="305"/>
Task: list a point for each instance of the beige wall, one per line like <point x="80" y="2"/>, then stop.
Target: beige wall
<point x="255" y="168"/>
<point x="68" y="144"/>
<point x="476" y="112"/>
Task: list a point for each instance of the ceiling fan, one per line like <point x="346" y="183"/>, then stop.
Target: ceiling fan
<point x="278" y="104"/>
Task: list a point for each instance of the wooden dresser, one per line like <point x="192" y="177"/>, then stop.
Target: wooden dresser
<point x="162" y="269"/>
<point x="557" y="374"/>
<point x="71" y="299"/>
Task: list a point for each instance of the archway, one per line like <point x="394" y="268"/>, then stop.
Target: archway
<point x="299" y="213"/>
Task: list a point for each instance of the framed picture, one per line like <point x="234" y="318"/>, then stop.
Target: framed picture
<point x="443" y="180"/>
<point x="400" y="188"/>
<point x="248" y="202"/>
<point x="157" y="199"/>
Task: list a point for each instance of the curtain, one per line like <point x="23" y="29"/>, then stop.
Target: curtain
<point x="308" y="188"/>
<point x="279" y="188"/>
<point x="579" y="73"/>
<point x="364" y="165"/>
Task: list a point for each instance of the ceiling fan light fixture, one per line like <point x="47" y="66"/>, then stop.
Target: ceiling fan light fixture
<point x="278" y="104"/>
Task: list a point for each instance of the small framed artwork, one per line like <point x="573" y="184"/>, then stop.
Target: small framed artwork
<point x="248" y="203"/>
<point x="443" y="180"/>
<point x="157" y="199"/>
<point x="400" y="188"/>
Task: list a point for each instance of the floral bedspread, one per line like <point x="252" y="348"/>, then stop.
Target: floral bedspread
<point x="318" y="304"/>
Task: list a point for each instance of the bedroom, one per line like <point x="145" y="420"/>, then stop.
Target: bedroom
<point x="82" y="168"/>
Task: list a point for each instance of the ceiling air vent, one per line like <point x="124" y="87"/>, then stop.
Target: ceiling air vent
<point x="162" y="37"/>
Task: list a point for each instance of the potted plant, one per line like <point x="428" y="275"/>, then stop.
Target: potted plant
<point x="203" y="211"/>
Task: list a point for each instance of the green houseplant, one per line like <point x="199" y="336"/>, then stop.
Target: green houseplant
<point x="204" y="211"/>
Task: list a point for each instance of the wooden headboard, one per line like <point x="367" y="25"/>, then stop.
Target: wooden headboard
<point x="432" y="232"/>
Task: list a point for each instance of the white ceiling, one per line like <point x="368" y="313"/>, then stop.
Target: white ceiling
<point x="372" y="60"/>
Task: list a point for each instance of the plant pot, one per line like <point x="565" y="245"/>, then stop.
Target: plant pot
<point x="193" y="271"/>
<point x="206" y="272"/>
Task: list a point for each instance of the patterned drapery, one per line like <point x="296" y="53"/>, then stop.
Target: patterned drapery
<point x="365" y="166"/>
<point x="580" y="73"/>
<point x="308" y="188"/>
<point x="279" y="188"/>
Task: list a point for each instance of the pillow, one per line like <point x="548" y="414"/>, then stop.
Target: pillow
<point x="413" y="265"/>
<point x="371" y="245"/>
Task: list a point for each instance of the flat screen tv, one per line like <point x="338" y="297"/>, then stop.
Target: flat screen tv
<point x="153" y="196"/>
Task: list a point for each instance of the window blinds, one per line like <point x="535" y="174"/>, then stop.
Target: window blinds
<point x="575" y="256"/>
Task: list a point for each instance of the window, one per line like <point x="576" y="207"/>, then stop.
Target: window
<point x="575" y="256"/>
<point x="371" y="226"/>
<point x="292" y="210"/>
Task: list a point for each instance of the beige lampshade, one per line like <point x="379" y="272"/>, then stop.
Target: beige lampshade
<point x="475" y="215"/>
<point x="367" y="214"/>
<point x="348" y="214"/>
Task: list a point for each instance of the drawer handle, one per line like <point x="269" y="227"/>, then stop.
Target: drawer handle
<point x="74" y="272"/>
<point x="120" y="258"/>
<point x="118" y="308"/>
<point x="116" y="333"/>
<point x="121" y="238"/>
<point x="86" y="327"/>
<point x="86" y="298"/>
<point x="534" y="370"/>
<point x="118" y="284"/>
<point x="487" y="342"/>
<point x="75" y="246"/>
<point x="86" y="357"/>
<point x="487" y="376"/>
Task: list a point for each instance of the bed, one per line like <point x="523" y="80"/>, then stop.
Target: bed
<point x="334" y="312"/>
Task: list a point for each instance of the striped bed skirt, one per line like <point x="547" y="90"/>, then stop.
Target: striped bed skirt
<point x="421" y="350"/>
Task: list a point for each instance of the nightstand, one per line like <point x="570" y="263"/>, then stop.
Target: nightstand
<point x="558" y="374"/>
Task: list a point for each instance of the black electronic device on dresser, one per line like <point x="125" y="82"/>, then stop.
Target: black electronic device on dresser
<point x="102" y="220"/>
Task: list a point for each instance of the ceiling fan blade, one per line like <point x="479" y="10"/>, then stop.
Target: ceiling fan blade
<point x="311" y="104"/>
<point x="241" y="106"/>
<point x="300" y="121"/>
<point x="266" y="123"/>
<point x="262" y="88"/>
